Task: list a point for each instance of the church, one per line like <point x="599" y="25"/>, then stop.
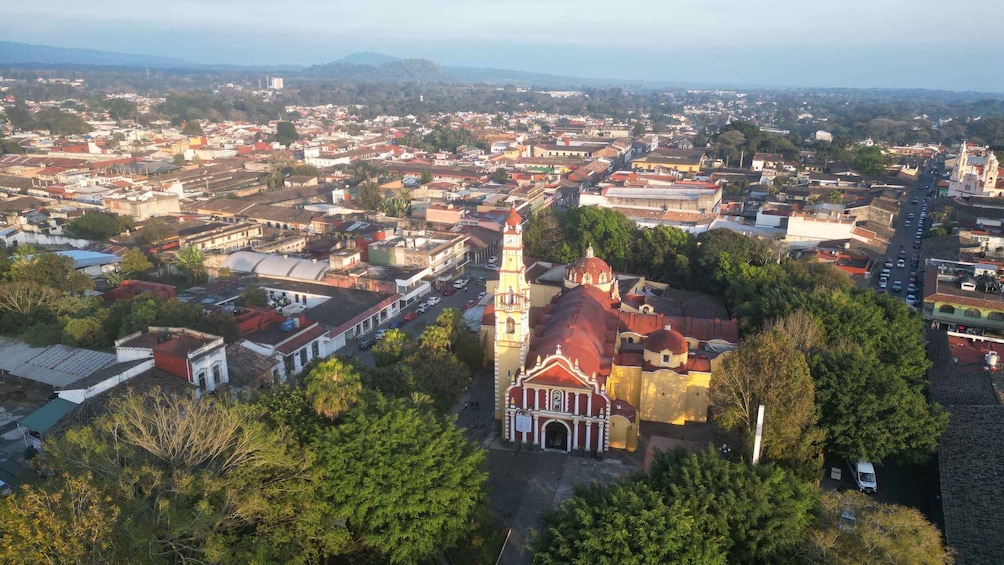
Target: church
<point x="585" y="357"/>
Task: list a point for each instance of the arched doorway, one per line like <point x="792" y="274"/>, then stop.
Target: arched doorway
<point x="556" y="436"/>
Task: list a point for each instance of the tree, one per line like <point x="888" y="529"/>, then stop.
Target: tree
<point x="120" y="109"/>
<point x="870" y="161"/>
<point x="192" y="127"/>
<point x="333" y="387"/>
<point x="253" y="296"/>
<point x="638" y="129"/>
<point x="869" y="412"/>
<point x="156" y="231"/>
<point x="135" y="262"/>
<point x="48" y="269"/>
<point x="500" y="175"/>
<point x="200" y="481"/>
<point x="407" y="481"/>
<point x="178" y="159"/>
<point x="855" y="528"/>
<point x="426" y="177"/>
<point x="84" y="332"/>
<point x="95" y="225"/>
<point x="625" y="523"/>
<point x="191" y="261"/>
<point x="394" y="346"/>
<point x="368" y="195"/>
<point x="761" y="514"/>
<point x="285" y="133"/>
<point x="26" y="299"/>
<point x="439" y="374"/>
<point x="69" y="521"/>
<point x="767" y="369"/>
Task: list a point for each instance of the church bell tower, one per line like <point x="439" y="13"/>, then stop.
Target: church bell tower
<point x="512" y="310"/>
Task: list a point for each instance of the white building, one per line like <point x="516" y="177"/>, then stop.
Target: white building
<point x="975" y="173"/>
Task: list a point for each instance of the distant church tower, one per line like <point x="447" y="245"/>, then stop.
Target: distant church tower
<point x="512" y="311"/>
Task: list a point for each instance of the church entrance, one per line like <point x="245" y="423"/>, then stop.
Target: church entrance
<point x="556" y="436"/>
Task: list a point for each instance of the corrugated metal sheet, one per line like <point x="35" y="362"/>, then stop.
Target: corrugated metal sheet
<point x="56" y="365"/>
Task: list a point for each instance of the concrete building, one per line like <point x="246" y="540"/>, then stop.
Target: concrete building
<point x="142" y="206"/>
<point x="439" y="254"/>
<point x="218" y="236"/>
<point x="196" y="357"/>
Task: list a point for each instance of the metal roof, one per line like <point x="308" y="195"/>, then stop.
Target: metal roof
<point x="56" y="365"/>
<point x="268" y="265"/>
<point x="83" y="259"/>
<point x="45" y="417"/>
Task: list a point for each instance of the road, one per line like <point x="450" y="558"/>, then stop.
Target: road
<point x="415" y="327"/>
<point x="904" y="243"/>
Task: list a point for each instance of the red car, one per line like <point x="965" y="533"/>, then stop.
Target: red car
<point x="470" y="303"/>
<point x="449" y="291"/>
<point x="410" y="316"/>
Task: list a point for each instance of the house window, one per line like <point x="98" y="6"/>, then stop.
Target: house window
<point x="202" y="380"/>
<point x="665" y="358"/>
<point x="303" y="356"/>
<point x="290" y="362"/>
<point x="217" y="373"/>
<point x="973" y="313"/>
<point x="996" y="316"/>
<point x="557" y="401"/>
<point x="315" y="348"/>
<point x="510" y="326"/>
<point x="946" y="309"/>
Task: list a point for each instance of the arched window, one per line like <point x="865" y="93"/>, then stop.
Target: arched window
<point x="996" y="316"/>
<point x="946" y="309"/>
<point x="557" y="401"/>
<point x="603" y="277"/>
<point x="973" y="313"/>
<point x="510" y="326"/>
<point x="586" y="279"/>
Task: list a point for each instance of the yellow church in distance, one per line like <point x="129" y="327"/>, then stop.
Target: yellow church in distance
<point x="584" y="357"/>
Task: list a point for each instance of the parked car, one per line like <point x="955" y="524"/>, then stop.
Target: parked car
<point x="883" y="282"/>
<point x="433" y="300"/>
<point x="379" y="334"/>
<point x="481" y="294"/>
<point x="863" y="473"/>
<point x="911" y="288"/>
<point x="449" y="291"/>
<point x="5" y="489"/>
<point x="469" y="304"/>
<point x="493" y="259"/>
<point x="397" y="323"/>
<point x="459" y="283"/>
<point x="897" y="286"/>
<point x="411" y="316"/>
<point x="911" y="300"/>
<point x="481" y="281"/>
<point x="900" y="264"/>
<point x="367" y="343"/>
<point x="888" y="264"/>
<point x="492" y="267"/>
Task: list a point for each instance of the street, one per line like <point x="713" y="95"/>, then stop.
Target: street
<point x="415" y="327"/>
<point x="911" y="223"/>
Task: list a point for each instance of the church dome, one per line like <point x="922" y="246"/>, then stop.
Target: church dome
<point x="589" y="270"/>
<point x="666" y="339"/>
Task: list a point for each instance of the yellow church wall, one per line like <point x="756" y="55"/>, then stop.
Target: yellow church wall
<point x="487" y="338"/>
<point x="508" y="360"/>
<point x="541" y="294"/>
<point x="672" y="398"/>
<point x="623" y="433"/>
<point x="624" y="383"/>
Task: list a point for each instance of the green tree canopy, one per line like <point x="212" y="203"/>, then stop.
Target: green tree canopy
<point x="394" y="346"/>
<point x="871" y="161"/>
<point x="191" y="261"/>
<point x="333" y="387"/>
<point x="623" y="524"/>
<point x="135" y="262"/>
<point x="407" y="481"/>
<point x="192" y="127"/>
<point x="285" y="133"/>
<point x="760" y="514"/>
<point x="95" y="225"/>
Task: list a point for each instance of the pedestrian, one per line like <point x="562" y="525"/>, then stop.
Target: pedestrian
<point x="465" y="405"/>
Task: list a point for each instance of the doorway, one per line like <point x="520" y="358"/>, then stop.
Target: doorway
<point x="556" y="436"/>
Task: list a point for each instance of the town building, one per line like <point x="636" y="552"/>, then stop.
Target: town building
<point x="975" y="173"/>
<point x="143" y="205"/>
<point x="198" y="358"/>
<point x="579" y="366"/>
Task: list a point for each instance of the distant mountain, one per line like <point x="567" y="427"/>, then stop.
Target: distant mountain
<point x="368" y="58"/>
<point x="17" y="53"/>
<point x="410" y="70"/>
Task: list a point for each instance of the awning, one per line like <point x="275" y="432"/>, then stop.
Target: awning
<point x="45" y="417"/>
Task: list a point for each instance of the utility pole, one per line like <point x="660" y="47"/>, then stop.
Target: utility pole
<point x="758" y="438"/>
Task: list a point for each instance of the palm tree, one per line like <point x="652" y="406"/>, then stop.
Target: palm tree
<point x="333" y="388"/>
<point x="192" y="262"/>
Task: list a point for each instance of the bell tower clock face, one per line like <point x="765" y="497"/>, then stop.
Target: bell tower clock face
<point x="510" y="240"/>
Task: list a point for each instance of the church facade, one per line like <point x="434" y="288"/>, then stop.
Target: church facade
<point x="579" y="367"/>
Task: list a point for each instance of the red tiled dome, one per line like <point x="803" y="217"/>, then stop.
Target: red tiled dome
<point x="661" y="340"/>
<point x="513" y="219"/>
<point x="592" y="266"/>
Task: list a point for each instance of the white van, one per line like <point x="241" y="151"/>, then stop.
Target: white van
<point x="864" y="475"/>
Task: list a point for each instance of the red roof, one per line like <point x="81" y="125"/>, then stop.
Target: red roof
<point x="661" y="340"/>
<point x="641" y="324"/>
<point x="299" y="341"/>
<point x="583" y="323"/>
<point x="513" y="219"/>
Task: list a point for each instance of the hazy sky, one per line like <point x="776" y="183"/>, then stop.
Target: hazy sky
<point x="852" y="43"/>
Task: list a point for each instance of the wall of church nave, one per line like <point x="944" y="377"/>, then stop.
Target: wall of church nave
<point x="487" y="338"/>
<point x="624" y="383"/>
<point x="623" y="434"/>
<point x="541" y="294"/>
<point x="671" y="398"/>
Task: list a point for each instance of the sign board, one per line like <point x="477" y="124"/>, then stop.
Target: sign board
<point x="524" y="423"/>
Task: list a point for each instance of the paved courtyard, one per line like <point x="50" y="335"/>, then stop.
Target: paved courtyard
<point x="523" y="485"/>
